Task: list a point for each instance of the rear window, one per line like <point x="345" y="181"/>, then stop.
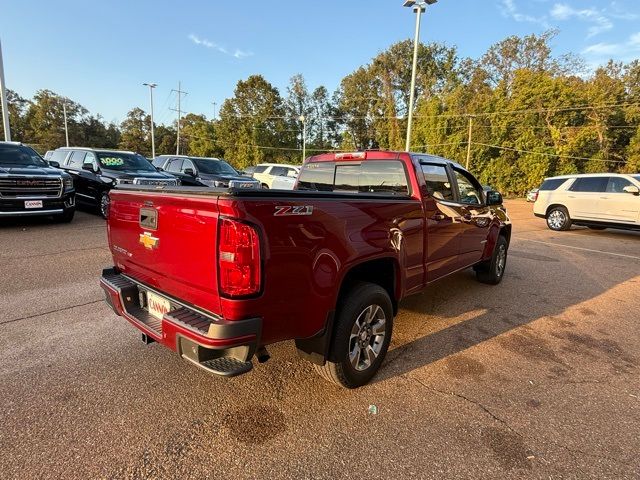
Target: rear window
<point x="372" y="176"/>
<point x="59" y="156"/>
<point x="260" y="168"/>
<point x="552" y="184"/>
<point x="590" y="184"/>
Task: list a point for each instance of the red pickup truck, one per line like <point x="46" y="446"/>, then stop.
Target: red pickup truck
<point x="219" y="274"/>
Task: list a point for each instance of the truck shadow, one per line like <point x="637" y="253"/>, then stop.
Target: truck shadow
<point x="459" y="313"/>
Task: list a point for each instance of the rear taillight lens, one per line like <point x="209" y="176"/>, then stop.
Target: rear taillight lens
<point x="238" y="259"/>
<point x="535" y="196"/>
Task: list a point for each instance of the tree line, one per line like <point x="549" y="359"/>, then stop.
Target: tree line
<point x="529" y="114"/>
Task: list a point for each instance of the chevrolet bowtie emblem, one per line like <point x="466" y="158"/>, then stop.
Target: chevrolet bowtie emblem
<point x="149" y="241"/>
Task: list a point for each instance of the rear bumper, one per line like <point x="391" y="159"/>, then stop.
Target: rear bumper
<point x="200" y="337"/>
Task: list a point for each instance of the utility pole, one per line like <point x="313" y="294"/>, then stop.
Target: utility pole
<point x="469" y="142"/>
<point x="153" y="140"/>
<point x="214" y="109"/>
<point x="179" y="110"/>
<point x="64" y="113"/>
<point x="304" y="136"/>
<point x="3" y="101"/>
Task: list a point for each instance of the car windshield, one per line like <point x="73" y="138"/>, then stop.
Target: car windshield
<point x="637" y="177"/>
<point x="124" y="161"/>
<point x="20" y="156"/>
<point x="215" y="167"/>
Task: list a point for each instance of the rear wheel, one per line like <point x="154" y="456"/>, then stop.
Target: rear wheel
<point x="103" y="204"/>
<point x="264" y="185"/>
<point x="558" y="219"/>
<point x="492" y="271"/>
<point x="361" y="336"/>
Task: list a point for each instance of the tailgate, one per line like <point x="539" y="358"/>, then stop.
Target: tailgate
<point x="167" y="241"/>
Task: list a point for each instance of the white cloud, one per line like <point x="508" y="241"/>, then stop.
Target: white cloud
<point x="622" y="51"/>
<point x="510" y="10"/>
<point x="599" y="19"/>
<point x="237" y="53"/>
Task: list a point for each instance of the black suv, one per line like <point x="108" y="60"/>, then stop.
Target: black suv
<point x="96" y="171"/>
<point x="202" y="171"/>
<point x="30" y="186"/>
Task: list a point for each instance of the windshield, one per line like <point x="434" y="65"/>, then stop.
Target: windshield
<point x="124" y="161"/>
<point x="215" y="167"/>
<point x="20" y="156"/>
<point x="637" y="177"/>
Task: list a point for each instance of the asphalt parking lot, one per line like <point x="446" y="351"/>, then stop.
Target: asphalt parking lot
<point x="535" y="378"/>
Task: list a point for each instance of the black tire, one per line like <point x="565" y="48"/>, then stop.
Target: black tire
<point x="103" y="204"/>
<point x="67" y="216"/>
<point x="264" y="185"/>
<point x="492" y="271"/>
<point x="595" y="228"/>
<point x="339" y="367"/>
<point x="558" y="219"/>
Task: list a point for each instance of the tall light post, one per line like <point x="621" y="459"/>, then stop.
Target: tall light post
<point x="153" y="139"/>
<point x="304" y="136"/>
<point x="3" y="101"/>
<point x="419" y="8"/>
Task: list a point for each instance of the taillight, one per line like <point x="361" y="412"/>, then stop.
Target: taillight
<point x="238" y="258"/>
<point x="535" y="196"/>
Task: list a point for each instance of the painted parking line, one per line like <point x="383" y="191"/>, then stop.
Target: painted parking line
<point x="578" y="248"/>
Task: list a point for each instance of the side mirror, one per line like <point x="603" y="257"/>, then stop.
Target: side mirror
<point x="189" y="171"/>
<point x="494" y="198"/>
<point x="632" y="189"/>
<point x="54" y="164"/>
<point x="90" y="167"/>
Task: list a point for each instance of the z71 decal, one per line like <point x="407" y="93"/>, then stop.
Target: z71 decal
<point x="293" y="210"/>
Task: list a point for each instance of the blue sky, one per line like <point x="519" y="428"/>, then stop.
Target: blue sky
<point x="100" y="53"/>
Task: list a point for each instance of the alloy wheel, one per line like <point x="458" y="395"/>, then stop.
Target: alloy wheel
<point x="556" y="219"/>
<point x="367" y="337"/>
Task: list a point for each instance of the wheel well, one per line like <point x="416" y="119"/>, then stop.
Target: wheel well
<point x="554" y="205"/>
<point x="381" y="272"/>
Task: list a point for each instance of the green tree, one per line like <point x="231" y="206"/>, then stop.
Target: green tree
<point x="198" y="134"/>
<point x="135" y="132"/>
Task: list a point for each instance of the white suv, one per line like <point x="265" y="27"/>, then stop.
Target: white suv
<point x="597" y="201"/>
<point x="266" y="173"/>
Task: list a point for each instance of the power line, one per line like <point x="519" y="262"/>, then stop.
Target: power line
<point x="180" y="93"/>
<point x="571" y="157"/>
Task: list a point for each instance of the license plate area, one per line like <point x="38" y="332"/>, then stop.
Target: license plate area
<point x="156" y="305"/>
<point x="33" y="204"/>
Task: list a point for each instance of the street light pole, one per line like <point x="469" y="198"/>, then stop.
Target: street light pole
<point x="419" y="8"/>
<point x="64" y="113"/>
<point x="153" y="139"/>
<point x="3" y="101"/>
<point x="304" y="136"/>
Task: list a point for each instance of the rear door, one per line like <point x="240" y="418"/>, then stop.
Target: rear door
<point x="584" y="195"/>
<point x="616" y="205"/>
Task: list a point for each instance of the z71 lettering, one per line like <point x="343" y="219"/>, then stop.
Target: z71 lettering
<point x="289" y="210"/>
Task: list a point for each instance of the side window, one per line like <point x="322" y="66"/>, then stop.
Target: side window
<point x="77" y="159"/>
<point x="90" y="159"/>
<point x="468" y="192"/>
<point x="617" y="184"/>
<point x="292" y="173"/>
<point x="174" y="165"/>
<point x="59" y="156"/>
<point x="260" y="169"/>
<point x="278" y="171"/>
<point x="589" y="184"/>
<point x="438" y="185"/>
<point x="188" y="164"/>
<point x="552" y="184"/>
<point x="158" y="162"/>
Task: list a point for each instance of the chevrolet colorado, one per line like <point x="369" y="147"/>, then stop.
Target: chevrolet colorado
<point x="219" y="274"/>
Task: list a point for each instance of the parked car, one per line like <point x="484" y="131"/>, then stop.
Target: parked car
<point x="532" y="195"/>
<point x="324" y="265"/>
<point x="201" y="171"/>
<point x="47" y="154"/>
<point x="248" y="171"/>
<point x="30" y="186"/>
<point x="266" y="173"/>
<point x="96" y="171"/>
<point x="285" y="183"/>
<point x="597" y="201"/>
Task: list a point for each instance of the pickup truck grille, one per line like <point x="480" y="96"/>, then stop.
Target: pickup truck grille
<point x="154" y="182"/>
<point x="30" y="187"/>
